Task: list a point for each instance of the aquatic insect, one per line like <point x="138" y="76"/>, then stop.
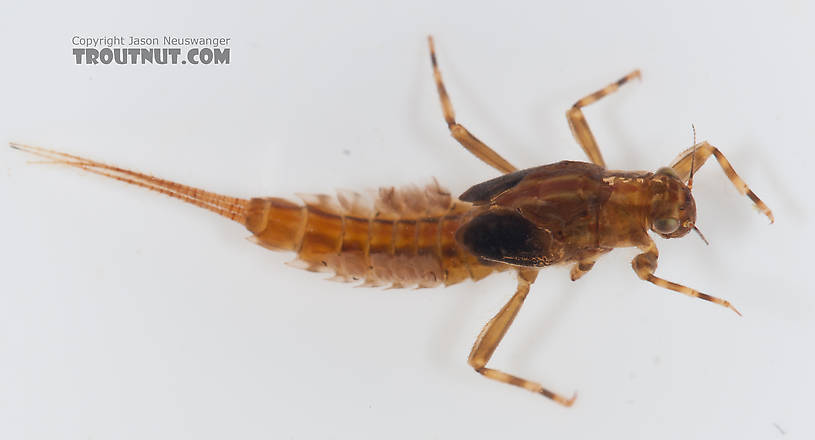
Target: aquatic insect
<point x="563" y="213"/>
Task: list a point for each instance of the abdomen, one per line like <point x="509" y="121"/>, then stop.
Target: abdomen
<point x="402" y="237"/>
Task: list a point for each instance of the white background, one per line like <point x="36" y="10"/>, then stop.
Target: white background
<point x="126" y="314"/>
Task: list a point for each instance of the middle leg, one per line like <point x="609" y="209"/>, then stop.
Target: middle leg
<point x="577" y="121"/>
<point x="581" y="268"/>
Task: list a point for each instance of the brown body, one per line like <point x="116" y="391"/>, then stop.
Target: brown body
<point x="563" y="213"/>
<point x="416" y="237"/>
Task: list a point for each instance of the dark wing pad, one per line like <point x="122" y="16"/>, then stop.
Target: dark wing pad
<point x="506" y="236"/>
<point x="485" y="191"/>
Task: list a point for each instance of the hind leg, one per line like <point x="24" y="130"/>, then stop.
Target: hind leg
<point x="494" y="332"/>
<point x="461" y="134"/>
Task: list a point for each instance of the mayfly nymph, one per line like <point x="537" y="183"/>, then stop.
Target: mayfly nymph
<point x="522" y="221"/>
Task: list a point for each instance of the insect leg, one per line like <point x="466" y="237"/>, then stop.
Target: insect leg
<point x="703" y="150"/>
<point x="577" y="121"/>
<point x="580" y="268"/>
<point x="646" y="263"/>
<point x="491" y="336"/>
<point x="464" y="137"/>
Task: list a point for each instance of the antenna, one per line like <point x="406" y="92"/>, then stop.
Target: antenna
<point x="690" y="180"/>
<point x="700" y="235"/>
<point x="693" y="164"/>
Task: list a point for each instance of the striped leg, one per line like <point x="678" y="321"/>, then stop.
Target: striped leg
<point x="646" y="263"/>
<point x="702" y="151"/>
<point x="464" y="137"/>
<point x="494" y="331"/>
<point x="577" y="121"/>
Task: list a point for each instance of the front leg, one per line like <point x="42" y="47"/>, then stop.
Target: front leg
<point x="494" y="331"/>
<point x="696" y="156"/>
<point x="645" y="264"/>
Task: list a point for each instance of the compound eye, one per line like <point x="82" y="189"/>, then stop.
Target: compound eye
<point x="666" y="225"/>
